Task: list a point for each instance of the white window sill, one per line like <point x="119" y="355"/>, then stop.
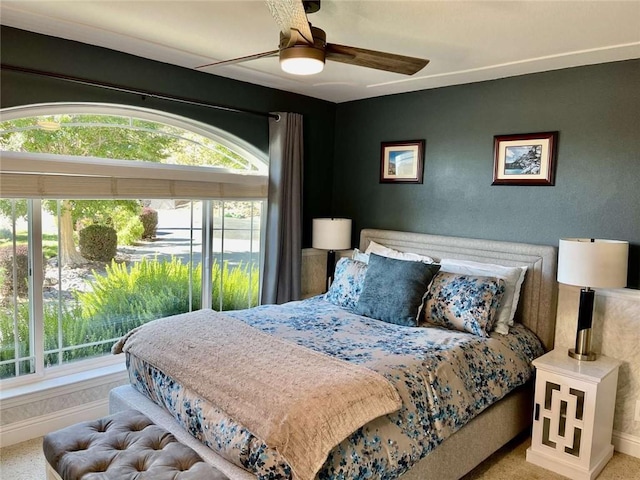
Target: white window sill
<point x="62" y="384"/>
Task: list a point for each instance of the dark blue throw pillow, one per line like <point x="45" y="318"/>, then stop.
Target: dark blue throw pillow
<point x="393" y="289"/>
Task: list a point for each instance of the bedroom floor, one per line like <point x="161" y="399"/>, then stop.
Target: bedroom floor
<point x="25" y="461"/>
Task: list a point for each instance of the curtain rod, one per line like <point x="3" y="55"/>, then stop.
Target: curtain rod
<point x="143" y="93"/>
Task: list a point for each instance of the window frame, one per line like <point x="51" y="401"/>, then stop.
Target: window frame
<point x="120" y="169"/>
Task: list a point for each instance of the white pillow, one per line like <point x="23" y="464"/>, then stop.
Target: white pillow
<point x="360" y="256"/>
<point x="391" y="253"/>
<point x="512" y="276"/>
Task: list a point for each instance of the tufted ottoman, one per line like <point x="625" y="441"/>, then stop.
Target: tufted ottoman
<point x="124" y="446"/>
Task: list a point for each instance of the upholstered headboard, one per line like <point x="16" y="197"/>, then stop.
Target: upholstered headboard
<point x="539" y="293"/>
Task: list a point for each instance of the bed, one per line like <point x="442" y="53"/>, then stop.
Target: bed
<point x="435" y="458"/>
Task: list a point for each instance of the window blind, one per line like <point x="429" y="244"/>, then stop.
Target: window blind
<point x="34" y="175"/>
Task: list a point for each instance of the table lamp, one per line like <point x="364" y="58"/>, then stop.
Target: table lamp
<point x="588" y="262"/>
<point x="331" y="234"/>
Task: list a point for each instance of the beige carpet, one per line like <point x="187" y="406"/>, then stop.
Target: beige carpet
<point x="25" y="461"/>
<point x="509" y="463"/>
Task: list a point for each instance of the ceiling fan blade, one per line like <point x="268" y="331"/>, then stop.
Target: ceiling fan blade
<point x="289" y="14"/>
<point x="388" y="62"/>
<point x="271" y="53"/>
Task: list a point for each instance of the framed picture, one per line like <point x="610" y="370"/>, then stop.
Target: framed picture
<point x="402" y="162"/>
<point x="526" y="159"/>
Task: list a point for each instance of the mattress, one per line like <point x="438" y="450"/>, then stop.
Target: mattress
<point x="444" y="378"/>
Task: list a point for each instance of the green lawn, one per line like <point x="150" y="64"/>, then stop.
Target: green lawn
<point x="49" y="243"/>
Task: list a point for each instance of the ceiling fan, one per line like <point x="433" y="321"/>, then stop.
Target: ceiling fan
<point x="303" y="48"/>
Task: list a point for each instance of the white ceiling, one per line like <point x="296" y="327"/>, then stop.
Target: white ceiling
<point x="466" y="41"/>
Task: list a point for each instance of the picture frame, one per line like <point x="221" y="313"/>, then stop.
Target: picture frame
<point x="525" y="159"/>
<point x="402" y="162"/>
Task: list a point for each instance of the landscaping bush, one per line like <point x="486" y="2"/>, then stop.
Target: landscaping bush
<point x="8" y="345"/>
<point x="240" y="287"/>
<point x="125" y="298"/>
<point x="122" y="299"/>
<point x="128" y="226"/>
<point x="98" y="242"/>
<point x="22" y="270"/>
<point x="75" y="331"/>
<point x="149" y="219"/>
<point x="130" y="232"/>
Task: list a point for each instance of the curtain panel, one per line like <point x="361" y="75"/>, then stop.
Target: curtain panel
<point x="283" y="233"/>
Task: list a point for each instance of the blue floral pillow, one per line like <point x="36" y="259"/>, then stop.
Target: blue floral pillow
<point x="464" y="302"/>
<point x="347" y="283"/>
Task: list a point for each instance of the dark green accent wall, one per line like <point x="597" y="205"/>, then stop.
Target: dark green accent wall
<point x="595" y="109"/>
<point x="30" y="50"/>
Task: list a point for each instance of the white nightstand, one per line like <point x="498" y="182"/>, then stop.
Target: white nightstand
<point x="573" y="414"/>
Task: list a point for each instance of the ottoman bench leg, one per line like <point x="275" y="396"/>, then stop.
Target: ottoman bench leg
<point x="51" y="473"/>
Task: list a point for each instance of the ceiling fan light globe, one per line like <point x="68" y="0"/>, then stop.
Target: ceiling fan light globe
<point x="302" y="66"/>
<point x="302" y="60"/>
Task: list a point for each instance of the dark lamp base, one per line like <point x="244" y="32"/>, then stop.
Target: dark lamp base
<point x="582" y="351"/>
<point x="331" y="268"/>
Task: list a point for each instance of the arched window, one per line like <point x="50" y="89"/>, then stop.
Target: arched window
<point x="125" y="215"/>
<point x="110" y="132"/>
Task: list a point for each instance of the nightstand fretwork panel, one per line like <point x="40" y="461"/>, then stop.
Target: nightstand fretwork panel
<point x="562" y="417"/>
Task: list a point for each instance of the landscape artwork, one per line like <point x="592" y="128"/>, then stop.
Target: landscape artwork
<point x="525" y="159"/>
<point x="402" y="162"/>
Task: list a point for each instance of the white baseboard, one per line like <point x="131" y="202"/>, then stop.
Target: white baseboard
<point x="38" y="426"/>
<point x="625" y="443"/>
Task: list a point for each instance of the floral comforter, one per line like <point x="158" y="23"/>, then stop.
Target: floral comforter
<point x="444" y="378"/>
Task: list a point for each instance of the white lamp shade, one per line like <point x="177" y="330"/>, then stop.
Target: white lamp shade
<point x="597" y="263"/>
<point x="332" y="233"/>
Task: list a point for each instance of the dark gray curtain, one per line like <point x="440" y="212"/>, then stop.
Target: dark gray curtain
<point x="283" y="237"/>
